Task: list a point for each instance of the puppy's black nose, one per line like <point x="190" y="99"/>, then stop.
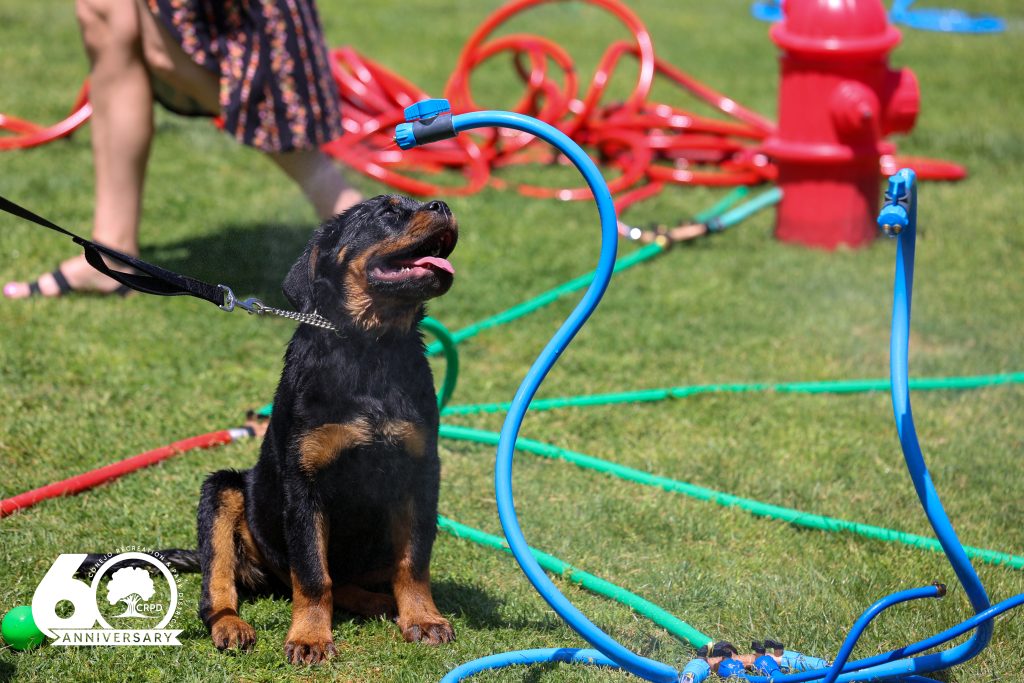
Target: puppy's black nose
<point x="439" y="207"/>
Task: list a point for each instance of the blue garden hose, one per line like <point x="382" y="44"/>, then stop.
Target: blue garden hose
<point x="431" y="120"/>
<point x="525" y="657"/>
<point x="944" y="20"/>
<point x="898" y="218"/>
<point x="935" y="591"/>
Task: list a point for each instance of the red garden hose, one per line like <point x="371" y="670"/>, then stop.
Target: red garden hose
<point x="648" y="144"/>
<point x="106" y="473"/>
<point x="645" y="144"/>
<point x="28" y="134"/>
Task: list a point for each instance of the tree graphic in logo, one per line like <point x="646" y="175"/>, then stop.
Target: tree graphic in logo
<point x="130" y="586"/>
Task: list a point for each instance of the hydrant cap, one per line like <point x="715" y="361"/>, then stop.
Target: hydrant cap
<point x="835" y="27"/>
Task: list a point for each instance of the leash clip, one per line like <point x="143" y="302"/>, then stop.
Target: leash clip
<point x="229" y="299"/>
<point x="252" y="305"/>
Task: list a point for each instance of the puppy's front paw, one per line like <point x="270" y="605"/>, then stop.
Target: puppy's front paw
<point x="232" y="632"/>
<point x="429" y="629"/>
<point x="311" y="651"/>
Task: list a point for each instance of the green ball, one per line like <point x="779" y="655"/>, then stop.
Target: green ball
<point x="19" y="629"/>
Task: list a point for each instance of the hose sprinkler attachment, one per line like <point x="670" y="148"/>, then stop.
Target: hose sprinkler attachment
<point x="427" y="121"/>
<point x="895" y="214"/>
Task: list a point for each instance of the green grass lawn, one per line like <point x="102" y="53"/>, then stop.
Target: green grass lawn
<point x="87" y="381"/>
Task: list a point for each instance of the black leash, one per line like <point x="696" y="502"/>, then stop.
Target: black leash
<point x="160" y="281"/>
<point x="156" y="280"/>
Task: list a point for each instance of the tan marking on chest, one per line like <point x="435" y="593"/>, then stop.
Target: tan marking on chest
<point x="407" y="434"/>
<point x="321" y="446"/>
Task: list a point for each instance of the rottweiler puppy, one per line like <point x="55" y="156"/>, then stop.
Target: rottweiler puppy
<point x="341" y="507"/>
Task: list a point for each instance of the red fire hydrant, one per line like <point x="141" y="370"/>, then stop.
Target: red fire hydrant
<point x="838" y="99"/>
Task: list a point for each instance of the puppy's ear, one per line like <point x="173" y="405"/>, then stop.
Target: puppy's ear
<point x="298" y="284"/>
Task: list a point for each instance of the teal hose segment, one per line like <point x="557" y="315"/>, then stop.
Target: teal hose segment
<point x="722" y="205"/>
<point x="822" y="387"/>
<point x="451" y="358"/>
<point x="790" y="515"/>
<point x="744" y="211"/>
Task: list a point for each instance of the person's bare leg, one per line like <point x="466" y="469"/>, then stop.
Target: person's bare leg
<point x="320" y="179"/>
<point x="316" y="174"/>
<point x="122" y="127"/>
<point x="124" y="40"/>
<point x="167" y="61"/>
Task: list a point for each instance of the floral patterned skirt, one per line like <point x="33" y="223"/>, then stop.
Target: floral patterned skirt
<point x="276" y="90"/>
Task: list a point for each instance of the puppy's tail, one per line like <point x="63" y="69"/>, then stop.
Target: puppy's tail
<point x="178" y="559"/>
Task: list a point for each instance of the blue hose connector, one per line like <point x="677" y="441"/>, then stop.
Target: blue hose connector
<point x="695" y="671"/>
<point x="731" y="668"/>
<point x="767" y="666"/>
<point x="798" y="661"/>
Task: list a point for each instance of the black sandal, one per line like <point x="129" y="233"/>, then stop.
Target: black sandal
<point x="64" y="287"/>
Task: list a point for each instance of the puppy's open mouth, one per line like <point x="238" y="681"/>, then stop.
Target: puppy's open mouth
<point x="426" y="258"/>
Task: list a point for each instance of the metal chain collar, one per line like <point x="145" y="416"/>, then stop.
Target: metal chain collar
<point x="254" y="306"/>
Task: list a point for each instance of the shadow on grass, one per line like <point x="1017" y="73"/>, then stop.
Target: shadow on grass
<point x="470" y="602"/>
<point x="478" y="607"/>
<point x="252" y="259"/>
<point x="7" y="671"/>
<point x="482" y="610"/>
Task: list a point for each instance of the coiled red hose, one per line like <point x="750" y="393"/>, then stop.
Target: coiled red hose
<point x="647" y="144"/>
<point x="28" y="134"/>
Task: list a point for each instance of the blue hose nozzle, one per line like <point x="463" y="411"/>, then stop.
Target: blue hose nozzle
<point x="894" y="217"/>
<point x="426" y="121"/>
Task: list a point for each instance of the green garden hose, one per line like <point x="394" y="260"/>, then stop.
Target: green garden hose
<point x="790" y="515"/>
<point x="451" y="357"/>
<point x="822" y="387"/>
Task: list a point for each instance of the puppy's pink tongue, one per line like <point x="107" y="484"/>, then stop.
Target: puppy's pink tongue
<point x="436" y="262"/>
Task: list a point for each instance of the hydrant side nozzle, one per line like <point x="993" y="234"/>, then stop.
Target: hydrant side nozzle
<point x="855" y="110"/>
<point x="902" y="101"/>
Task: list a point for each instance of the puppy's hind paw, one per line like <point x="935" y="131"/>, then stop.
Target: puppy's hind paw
<point x="314" y="652"/>
<point x="232" y="633"/>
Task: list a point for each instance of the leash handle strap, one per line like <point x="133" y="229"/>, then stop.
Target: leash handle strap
<point x="155" y="280"/>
